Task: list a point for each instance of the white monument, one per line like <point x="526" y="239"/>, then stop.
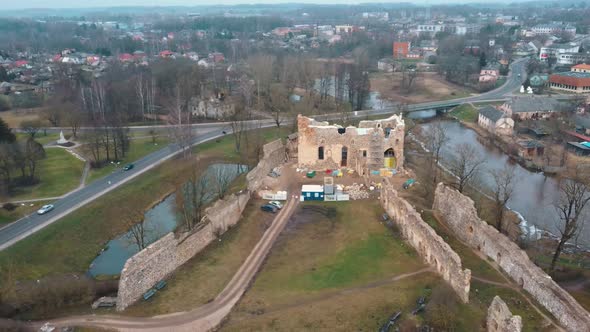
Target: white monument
<point x="529" y="90"/>
<point x="522" y="89"/>
<point x="62" y="140"/>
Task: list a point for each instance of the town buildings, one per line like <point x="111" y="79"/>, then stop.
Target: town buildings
<point x="371" y="146"/>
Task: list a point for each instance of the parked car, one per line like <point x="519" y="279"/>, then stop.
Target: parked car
<point x="269" y="208"/>
<point x="277" y="204"/>
<point x="45" y="208"/>
<point x="128" y="167"/>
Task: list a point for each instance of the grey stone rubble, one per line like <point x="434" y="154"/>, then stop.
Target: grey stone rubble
<point x="105" y="301"/>
<point x="357" y="191"/>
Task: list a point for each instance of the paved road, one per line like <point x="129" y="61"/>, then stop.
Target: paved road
<point x="206" y="131"/>
<point x="207" y="316"/>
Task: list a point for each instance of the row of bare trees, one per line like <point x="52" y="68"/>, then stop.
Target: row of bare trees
<point x="465" y="166"/>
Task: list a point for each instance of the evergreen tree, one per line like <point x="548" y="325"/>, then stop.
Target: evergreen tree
<point x="482" y="60"/>
<point x="6" y="134"/>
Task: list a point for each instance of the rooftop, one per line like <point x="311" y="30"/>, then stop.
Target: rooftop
<point x="581" y="66"/>
<point x="575" y="74"/>
<point x="537" y="104"/>
<point x="491" y="113"/>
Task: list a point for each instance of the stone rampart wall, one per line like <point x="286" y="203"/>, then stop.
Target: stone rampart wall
<point x="163" y="257"/>
<point x="500" y="319"/>
<point x="459" y="213"/>
<point x="431" y="247"/>
<point x="274" y="155"/>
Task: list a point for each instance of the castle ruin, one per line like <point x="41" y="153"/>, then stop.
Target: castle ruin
<point x="371" y="146"/>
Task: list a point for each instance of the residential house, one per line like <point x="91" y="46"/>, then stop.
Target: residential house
<point x="489" y="73"/>
<point x="386" y="65"/>
<point x="534" y="107"/>
<point x="495" y="121"/>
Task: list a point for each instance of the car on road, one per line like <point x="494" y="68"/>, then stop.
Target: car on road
<point x="269" y="208"/>
<point x="128" y="167"/>
<point x="277" y="204"/>
<point x="45" y="208"/>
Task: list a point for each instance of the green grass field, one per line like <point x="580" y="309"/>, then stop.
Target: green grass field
<point x="59" y="173"/>
<point x="465" y="112"/>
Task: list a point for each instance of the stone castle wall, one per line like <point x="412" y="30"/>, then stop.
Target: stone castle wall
<point x="273" y="155"/>
<point x="160" y="259"/>
<point x="459" y="213"/>
<point x="500" y="319"/>
<point x="431" y="247"/>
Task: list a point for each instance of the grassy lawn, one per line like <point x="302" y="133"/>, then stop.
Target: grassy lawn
<point x="465" y="112"/>
<point x="59" y="173"/>
<point x="71" y="244"/>
<point x="40" y="137"/>
<point x="138" y="148"/>
<point x="21" y="211"/>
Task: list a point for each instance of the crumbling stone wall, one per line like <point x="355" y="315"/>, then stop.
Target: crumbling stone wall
<point x="273" y="155"/>
<point x="366" y="145"/>
<point x="500" y="319"/>
<point x="431" y="247"/>
<point x="459" y="213"/>
<point x="156" y="262"/>
<point x="142" y="271"/>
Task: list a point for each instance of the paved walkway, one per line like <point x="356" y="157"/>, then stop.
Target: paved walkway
<point x="206" y="317"/>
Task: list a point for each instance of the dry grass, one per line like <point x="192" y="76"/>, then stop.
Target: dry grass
<point x="426" y="87"/>
<point x="15" y="117"/>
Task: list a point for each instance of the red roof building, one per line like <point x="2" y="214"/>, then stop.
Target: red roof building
<point x="166" y="54"/>
<point x="125" y="57"/>
<point x="20" y="63"/>
<point x="581" y="68"/>
<point x="573" y="81"/>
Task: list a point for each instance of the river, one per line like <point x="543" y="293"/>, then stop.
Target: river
<point x="158" y="221"/>
<point x="534" y="193"/>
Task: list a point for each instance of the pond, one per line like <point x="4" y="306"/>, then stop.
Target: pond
<point x="534" y="193"/>
<point x="158" y="221"/>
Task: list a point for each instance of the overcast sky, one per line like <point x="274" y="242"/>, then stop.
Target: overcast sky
<point x="22" y="4"/>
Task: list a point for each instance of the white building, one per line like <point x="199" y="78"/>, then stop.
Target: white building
<point x="555" y="49"/>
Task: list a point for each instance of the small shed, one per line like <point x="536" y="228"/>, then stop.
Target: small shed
<point x="312" y="192"/>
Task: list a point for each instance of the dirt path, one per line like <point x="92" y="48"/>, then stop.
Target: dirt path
<point x="206" y="317"/>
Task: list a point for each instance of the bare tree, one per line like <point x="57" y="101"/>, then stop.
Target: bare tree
<point x="239" y="126"/>
<point x="191" y="198"/>
<point x="261" y="67"/>
<point x="436" y="139"/>
<point x="465" y="165"/>
<point x="408" y="77"/>
<point x="574" y="195"/>
<point x="31" y="127"/>
<point x="180" y="119"/>
<point x="504" y="188"/>
<point x="221" y="180"/>
<point x="138" y="231"/>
